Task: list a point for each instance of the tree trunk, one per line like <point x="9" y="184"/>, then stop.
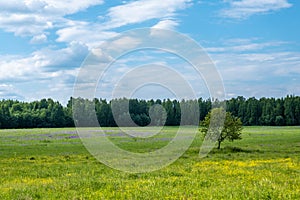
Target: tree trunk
<point x="219" y="144"/>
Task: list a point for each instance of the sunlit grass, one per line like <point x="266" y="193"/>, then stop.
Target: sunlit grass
<point x="53" y="164"/>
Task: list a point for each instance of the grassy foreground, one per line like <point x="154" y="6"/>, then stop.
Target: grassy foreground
<point x="53" y="164"/>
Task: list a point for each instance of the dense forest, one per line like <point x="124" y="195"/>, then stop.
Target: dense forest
<point x="49" y="113"/>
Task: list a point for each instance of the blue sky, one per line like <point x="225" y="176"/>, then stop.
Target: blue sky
<point x="254" y="44"/>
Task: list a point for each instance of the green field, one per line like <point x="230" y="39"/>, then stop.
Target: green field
<point x="53" y="164"/>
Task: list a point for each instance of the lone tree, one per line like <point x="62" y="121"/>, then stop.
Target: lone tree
<point x="214" y="129"/>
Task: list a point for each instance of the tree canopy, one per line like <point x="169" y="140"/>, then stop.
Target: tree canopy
<point x="221" y="125"/>
<point x="50" y="113"/>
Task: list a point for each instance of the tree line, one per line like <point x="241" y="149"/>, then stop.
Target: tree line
<point x="49" y="113"/>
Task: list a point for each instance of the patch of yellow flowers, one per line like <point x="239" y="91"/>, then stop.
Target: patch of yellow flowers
<point x="227" y="164"/>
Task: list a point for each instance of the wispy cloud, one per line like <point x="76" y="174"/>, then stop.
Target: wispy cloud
<point x="166" y="24"/>
<point x="9" y="91"/>
<point x="259" y="74"/>
<point x="241" y="9"/>
<point x="244" y="45"/>
<point x="39" y="39"/>
<point x="88" y="33"/>
<point x="140" y="11"/>
<point x="36" y="18"/>
<point x="251" y="67"/>
<point x="134" y="12"/>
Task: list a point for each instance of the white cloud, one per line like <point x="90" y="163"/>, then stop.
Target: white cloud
<point x="47" y="7"/>
<point x="69" y="6"/>
<point x="67" y="58"/>
<point x="241" y="9"/>
<point x="166" y="24"/>
<point x="90" y="34"/>
<point x="124" y="43"/>
<point x="57" y="85"/>
<point x="24" y="24"/>
<point x="45" y="73"/>
<point x="9" y="91"/>
<point x="38" y="39"/>
<point x="243" y="46"/>
<point x="143" y="10"/>
<point x="43" y="63"/>
<point x="250" y="67"/>
<point x="94" y="34"/>
<point x="50" y="72"/>
<point x="259" y="74"/>
<point x="34" y="17"/>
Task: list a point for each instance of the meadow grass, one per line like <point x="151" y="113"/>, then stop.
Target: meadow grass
<point x="53" y="164"/>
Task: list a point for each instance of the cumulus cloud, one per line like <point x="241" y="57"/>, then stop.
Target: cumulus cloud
<point x="40" y="63"/>
<point x="33" y="17"/>
<point x="241" y="9"/>
<point x="67" y="58"/>
<point x="24" y="24"/>
<point x="45" y="73"/>
<point x="52" y="69"/>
